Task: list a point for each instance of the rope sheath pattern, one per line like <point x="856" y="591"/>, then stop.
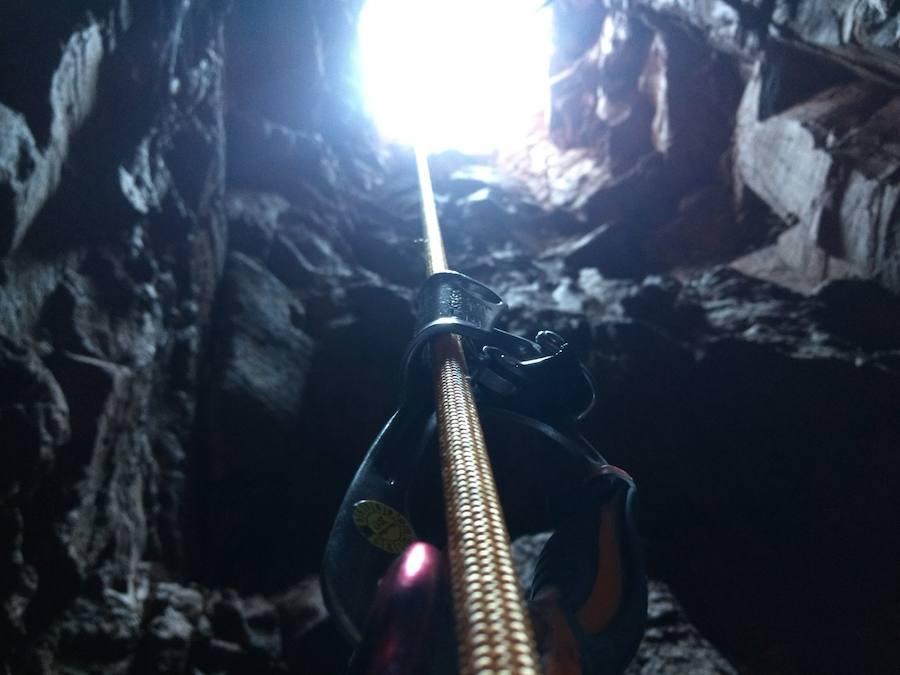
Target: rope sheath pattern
<point x="493" y="628"/>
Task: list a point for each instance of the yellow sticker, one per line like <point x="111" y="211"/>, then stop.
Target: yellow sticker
<point x="383" y="526"/>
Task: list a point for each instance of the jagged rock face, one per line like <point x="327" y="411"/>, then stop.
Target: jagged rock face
<point x="114" y="240"/>
<point x="207" y="272"/>
<point x="653" y="141"/>
<point x="775" y="488"/>
<point x="828" y="167"/>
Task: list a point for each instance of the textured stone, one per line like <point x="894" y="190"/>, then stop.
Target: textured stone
<point x="107" y="630"/>
<point x="166" y="644"/>
<point x="99" y="299"/>
<point x="863" y="35"/>
<point x="613" y="249"/>
<point x="34" y="424"/>
<point x="35" y="417"/>
<point x="18" y="159"/>
<point x="31" y="177"/>
<point x="300" y="247"/>
<point x="253" y="221"/>
<point x="261" y="361"/>
<point x="264" y="629"/>
<point x="100" y="399"/>
<point x="705" y="230"/>
<point x="655" y="112"/>
<point x="261" y="358"/>
<point x="271" y="156"/>
<point x="671" y="644"/>
<point x="301" y="607"/>
<point x="250" y="624"/>
<point x="759" y="423"/>
<point x="311" y="640"/>
<point x="817" y="166"/>
<point x="680" y="406"/>
<point x="734" y="27"/>
<point x="186" y="601"/>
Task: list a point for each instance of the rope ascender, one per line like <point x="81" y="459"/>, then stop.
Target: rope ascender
<point x="419" y="512"/>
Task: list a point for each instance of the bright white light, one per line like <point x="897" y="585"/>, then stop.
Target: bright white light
<point x="470" y="75"/>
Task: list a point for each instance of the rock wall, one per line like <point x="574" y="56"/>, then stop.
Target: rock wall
<point x="693" y="134"/>
<point x="114" y="239"/>
<point x="207" y="266"/>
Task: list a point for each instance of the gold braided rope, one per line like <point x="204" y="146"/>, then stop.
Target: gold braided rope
<point x="493" y="629"/>
<point x="492" y="625"/>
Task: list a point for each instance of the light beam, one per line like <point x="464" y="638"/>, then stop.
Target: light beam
<point x="467" y="75"/>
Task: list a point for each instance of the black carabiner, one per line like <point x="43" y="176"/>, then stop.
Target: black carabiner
<point x="590" y="573"/>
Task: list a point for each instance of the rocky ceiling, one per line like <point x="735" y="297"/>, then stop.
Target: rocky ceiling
<point x="207" y="268"/>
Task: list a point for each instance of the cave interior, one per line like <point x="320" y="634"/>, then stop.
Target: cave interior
<point x="209" y="260"/>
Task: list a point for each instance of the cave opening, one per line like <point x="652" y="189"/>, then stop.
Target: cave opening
<point x="209" y="260"/>
<point x="422" y="90"/>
